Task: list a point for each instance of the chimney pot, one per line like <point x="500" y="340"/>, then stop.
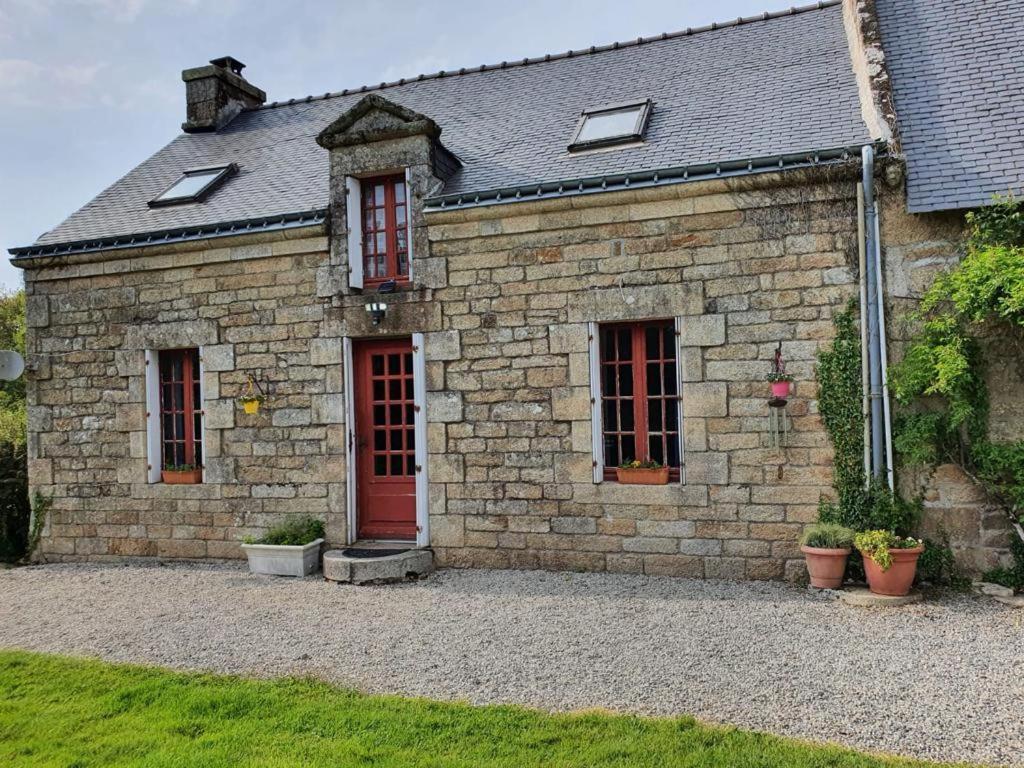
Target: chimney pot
<point x="216" y="93"/>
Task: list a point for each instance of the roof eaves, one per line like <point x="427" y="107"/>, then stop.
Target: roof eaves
<point x="175" y="235"/>
<point x="642" y="179"/>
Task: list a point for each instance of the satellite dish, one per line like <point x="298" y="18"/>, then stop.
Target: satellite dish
<point x="12" y="365"/>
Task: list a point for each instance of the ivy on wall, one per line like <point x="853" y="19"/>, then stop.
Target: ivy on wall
<point x="859" y="505"/>
<point x="940" y="383"/>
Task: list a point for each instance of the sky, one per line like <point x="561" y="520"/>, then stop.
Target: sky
<point x="91" y="88"/>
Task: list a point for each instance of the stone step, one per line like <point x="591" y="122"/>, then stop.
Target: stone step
<point x="411" y="564"/>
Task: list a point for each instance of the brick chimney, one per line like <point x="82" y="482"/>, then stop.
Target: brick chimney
<point x="214" y="94"/>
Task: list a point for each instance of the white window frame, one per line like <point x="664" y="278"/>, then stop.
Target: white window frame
<point x="419" y="390"/>
<point x="596" y="424"/>
<point x="154" y="430"/>
<point x="354" y="224"/>
<point x="351" y="495"/>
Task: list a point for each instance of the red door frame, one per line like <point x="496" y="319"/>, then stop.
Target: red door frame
<point x="385" y="439"/>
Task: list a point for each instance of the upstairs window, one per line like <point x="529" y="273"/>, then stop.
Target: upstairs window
<point x="192" y="186"/>
<point x="385" y="225"/>
<point x="639" y="395"/>
<point x="180" y="408"/>
<point x="608" y="126"/>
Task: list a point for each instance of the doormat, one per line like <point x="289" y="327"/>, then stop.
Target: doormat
<point x="359" y="552"/>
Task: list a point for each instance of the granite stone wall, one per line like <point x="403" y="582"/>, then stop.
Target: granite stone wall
<point x="504" y="295"/>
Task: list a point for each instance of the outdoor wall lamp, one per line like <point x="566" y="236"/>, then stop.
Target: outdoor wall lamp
<point x="377" y="310"/>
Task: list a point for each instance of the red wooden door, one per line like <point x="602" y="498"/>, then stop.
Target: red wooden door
<point x="385" y="439"/>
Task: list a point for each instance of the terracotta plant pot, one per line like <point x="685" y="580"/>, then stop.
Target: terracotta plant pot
<point x="780" y="388"/>
<point x="642" y="476"/>
<point x="190" y="477"/>
<point x="896" y="581"/>
<point x="826" y="566"/>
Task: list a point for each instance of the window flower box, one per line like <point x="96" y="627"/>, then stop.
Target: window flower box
<point x="291" y="548"/>
<point x="185" y="475"/>
<point x="284" y="559"/>
<point x="642" y="473"/>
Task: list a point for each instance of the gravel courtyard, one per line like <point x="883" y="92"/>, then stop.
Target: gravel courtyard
<point x="762" y="656"/>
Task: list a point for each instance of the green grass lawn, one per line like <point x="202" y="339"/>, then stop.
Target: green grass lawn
<point x="56" y="711"/>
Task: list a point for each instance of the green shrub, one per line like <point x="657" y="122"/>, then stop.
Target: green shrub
<point x="938" y="567"/>
<point x="1006" y="577"/>
<point x="827" y="536"/>
<point x="295" y="531"/>
<point x="873" y="508"/>
<point x="15" y="509"/>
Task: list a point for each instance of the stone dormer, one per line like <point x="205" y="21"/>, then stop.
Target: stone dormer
<point x="379" y="139"/>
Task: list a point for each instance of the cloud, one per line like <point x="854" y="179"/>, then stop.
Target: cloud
<point x="27" y="83"/>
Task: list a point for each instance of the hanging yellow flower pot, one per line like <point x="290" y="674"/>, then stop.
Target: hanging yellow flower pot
<point x="251" y="400"/>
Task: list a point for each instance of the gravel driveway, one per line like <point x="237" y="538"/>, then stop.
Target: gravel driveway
<point x="758" y="655"/>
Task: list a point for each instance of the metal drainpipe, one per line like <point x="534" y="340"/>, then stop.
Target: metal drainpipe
<point x="883" y="348"/>
<point x="862" y="263"/>
<point x="874" y="339"/>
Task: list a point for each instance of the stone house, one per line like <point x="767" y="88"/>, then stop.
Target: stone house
<point x="467" y="297"/>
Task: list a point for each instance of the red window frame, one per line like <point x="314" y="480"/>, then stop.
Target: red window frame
<point x="639" y="394"/>
<point x="180" y="419"/>
<point x="385" y="229"/>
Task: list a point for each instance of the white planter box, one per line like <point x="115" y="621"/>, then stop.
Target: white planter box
<point x="283" y="560"/>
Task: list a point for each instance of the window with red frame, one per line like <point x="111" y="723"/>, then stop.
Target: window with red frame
<point x="180" y="408"/>
<point x="639" y="395"/>
<point x="385" y="230"/>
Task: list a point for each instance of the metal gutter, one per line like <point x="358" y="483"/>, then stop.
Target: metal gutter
<point x="645" y="179"/>
<point x="175" y="235"/>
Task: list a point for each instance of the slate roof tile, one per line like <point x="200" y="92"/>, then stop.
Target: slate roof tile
<point x="957" y="84"/>
<point x="755" y="89"/>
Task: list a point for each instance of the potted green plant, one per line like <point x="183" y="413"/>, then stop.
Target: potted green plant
<point x="826" y="547"/>
<point x="291" y="548"/>
<point x="645" y="472"/>
<point x="890" y="561"/>
<point x="181" y="474"/>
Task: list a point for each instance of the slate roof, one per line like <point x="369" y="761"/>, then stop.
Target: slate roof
<point x="773" y="84"/>
<point x="958" y="86"/>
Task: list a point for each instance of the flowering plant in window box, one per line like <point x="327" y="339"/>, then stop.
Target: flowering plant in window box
<point x="642" y="473"/>
<point x="182" y="474"/>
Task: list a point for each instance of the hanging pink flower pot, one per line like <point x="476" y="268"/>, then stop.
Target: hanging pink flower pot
<point x="780" y="389"/>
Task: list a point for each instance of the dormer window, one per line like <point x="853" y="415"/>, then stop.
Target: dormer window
<point x="194" y="185"/>
<point x="385" y="222"/>
<point x="611" y="125"/>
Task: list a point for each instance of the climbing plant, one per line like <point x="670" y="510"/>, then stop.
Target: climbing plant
<point x="940" y="383"/>
<point x="859" y="505"/>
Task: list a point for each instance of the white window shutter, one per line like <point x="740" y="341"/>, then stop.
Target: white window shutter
<point x="408" y="220"/>
<point x="596" y="430"/>
<point x="679" y="399"/>
<point x="200" y="406"/>
<point x="354" y="220"/>
<point x="350" y="438"/>
<point x="154" y="457"/>
<point x="419" y="388"/>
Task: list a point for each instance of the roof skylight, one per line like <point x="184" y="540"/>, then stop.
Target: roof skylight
<point x="615" y="124"/>
<point x="192" y="186"/>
